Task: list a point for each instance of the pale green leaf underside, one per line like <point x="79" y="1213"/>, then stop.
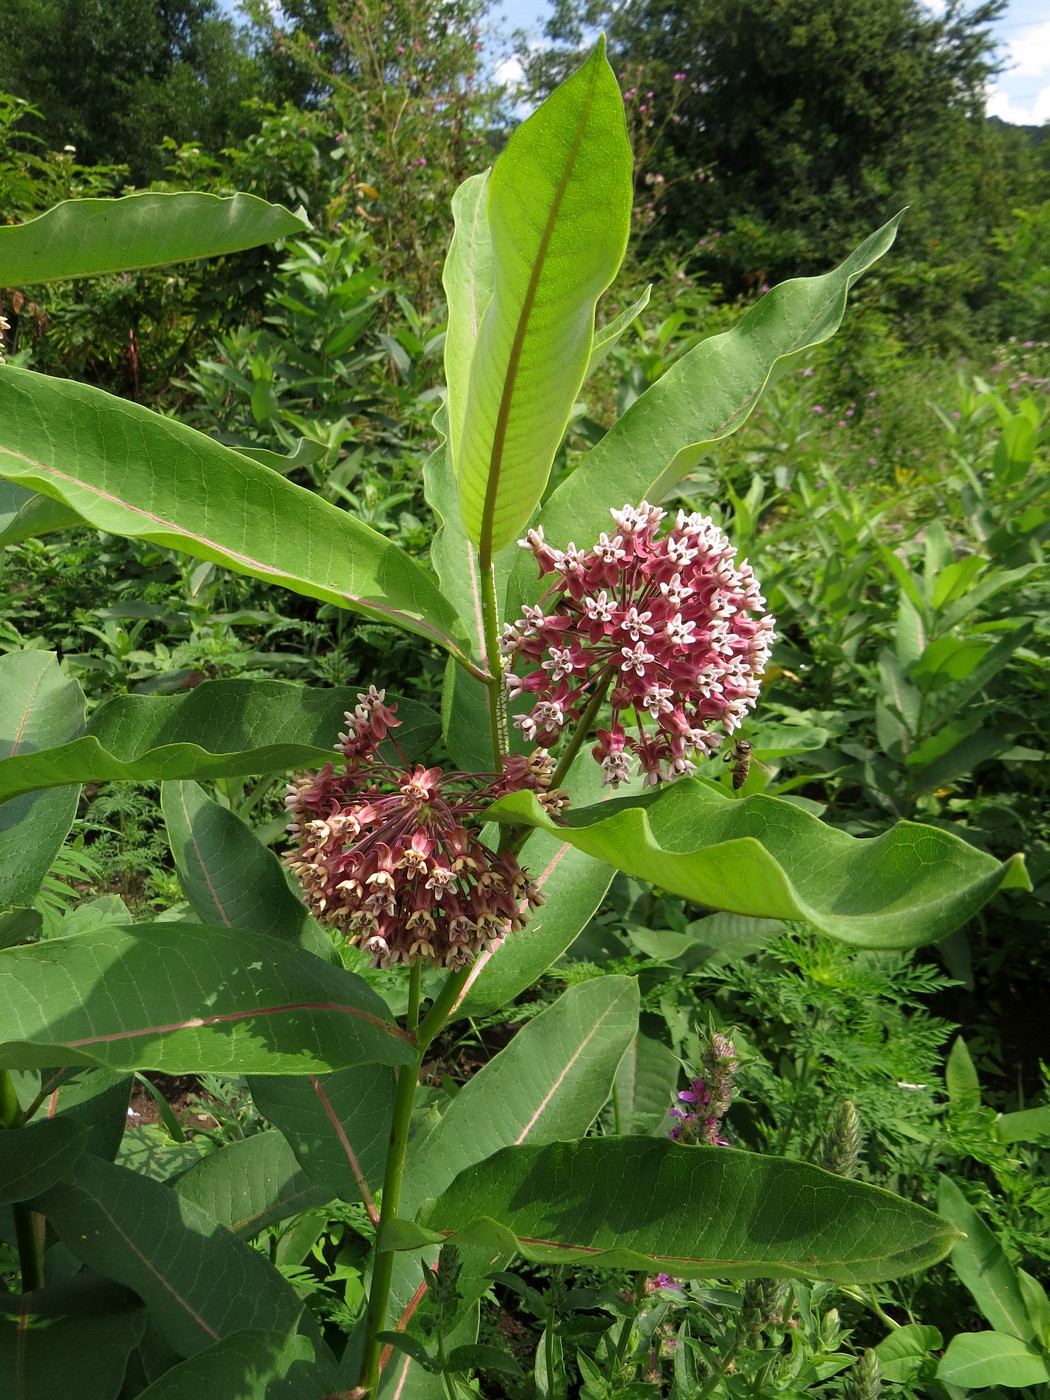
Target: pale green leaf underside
<point x="132" y="472"/>
<point x="558" y="216"/>
<point x="704" y="397"/>
<point x="765" y="857"/>
<point x="220" y="729"/>
<point x="991" y="1358"/>
<point x="467" y="280"/>
<point x="85" y="237"/>
<point x="693" y="1212"/>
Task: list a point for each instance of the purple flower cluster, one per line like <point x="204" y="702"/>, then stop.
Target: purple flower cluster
<point x="671" y="627"/>
<point x="390" y="854"/>
<point x="709" y="1096"/>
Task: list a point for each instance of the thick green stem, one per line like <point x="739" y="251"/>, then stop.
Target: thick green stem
<point x="497" y="693"/>
<point x="407" y="1082"/>
<point x="28" y="1224"/>
<point x="588" y="717"/>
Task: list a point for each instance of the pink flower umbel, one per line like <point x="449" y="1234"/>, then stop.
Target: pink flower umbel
<point x="390" y="854"/>
<point x="672" y="628"/>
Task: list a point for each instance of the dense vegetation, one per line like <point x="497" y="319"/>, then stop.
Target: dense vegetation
<point x="890" y="490"/>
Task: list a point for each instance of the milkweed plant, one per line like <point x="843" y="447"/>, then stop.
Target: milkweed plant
<point x="600" y="649"/>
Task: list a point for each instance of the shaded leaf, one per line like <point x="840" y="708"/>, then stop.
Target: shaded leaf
<point x="199" y="1282"/>
<point x="251" y="1366"/>
<point x="982" y="1265"/>
<point x="233" y="728"/>
<point x="25" y="514"/>
<point x="96" y="1099"/>
<point x="39" y="706"/>
<point x="644" y="1090"/>
<point x="187" y="999"/>
<point x="693" y="1212"/>
<point x="766" y="857"/>
<point x="36" y="1156"/>
<point x="69" y="1339"/>
<point x="250" y="1184"/>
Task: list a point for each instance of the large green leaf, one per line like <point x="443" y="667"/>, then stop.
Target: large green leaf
<point x="703" y="397"/>
<point x="550" y="1082"/>
<point x="229" y="878"/>
<point x="338" y="1125"/>
<point x="766" y="857"/>
<point x="185" y="998"/>
<point x="226" y="729"/>
<point x="199" y="1282"/>
<point x="693" y="1212"/>
<point x="467" y="279"/>
<point x="573" y="885"/>
<point x="991" y="1358"/>
<point x="645" y="1085"/>
<point x="97" y="1099"/>
<point x="69" y="1339"/>
<point x="981" y="1263"/>
<point x="36" y="1156"/>
<point x="132" y="472"/>
<point x="559" y="203"/>
<point x="25" y="514"/>
<point x="251" y="1366"/>
<point x="85" y="237"/>
<point x="39" y="706"/>
<point x="250" y="1184"/>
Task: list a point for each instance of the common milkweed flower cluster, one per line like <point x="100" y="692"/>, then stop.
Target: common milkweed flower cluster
<point x="390" y="854"/>
<point x="670" y="625"/>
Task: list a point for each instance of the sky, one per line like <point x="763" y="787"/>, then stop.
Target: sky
<point x="1020" y="94"/>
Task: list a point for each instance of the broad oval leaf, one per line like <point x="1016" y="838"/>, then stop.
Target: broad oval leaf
<point x="132" y="472"/>
<point x="692" y="1212"/>
<point x="551" y="1081"/>
<point x="36" y="1156"/>
<point x="338" y="1125"/>
<point x="39" y="706"/>
<point x="187" y="999"/>
<point x="252" y="1365"/>
<point x="250" y="1184"/>
<point x="991" y="1358"/>
<point x="559" y="201"/>
<point x="704" y="397"/>
<point x="199" y="1283"/>
<point x="220" y="729"/>
<point x="85" y="237"/>
<point x="228" y="876"/>
<point x="980" y="1261"/>
<point x="766" y="857"/>
<point x="71" y="1338"/>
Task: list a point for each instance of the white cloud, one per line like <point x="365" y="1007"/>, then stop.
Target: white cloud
<point x="509" y="72"/>
<point x="1028" y="55"/>
<point x="1019" y="111"/>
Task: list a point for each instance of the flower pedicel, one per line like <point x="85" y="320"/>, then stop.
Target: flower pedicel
<point x="671" y="627"/>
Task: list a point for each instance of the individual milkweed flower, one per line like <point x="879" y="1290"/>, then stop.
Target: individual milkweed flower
<point x="390" y="853"/>
<point x="669" y="625"/>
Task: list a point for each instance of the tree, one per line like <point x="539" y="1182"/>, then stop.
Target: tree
<point x="114" y="77"/>
<point x="803" y="121"/>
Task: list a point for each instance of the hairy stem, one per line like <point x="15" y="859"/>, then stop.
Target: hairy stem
<point x="588" y="717"/>
<point x="497" y="694"/>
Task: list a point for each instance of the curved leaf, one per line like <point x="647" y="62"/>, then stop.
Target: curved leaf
<point x="692" y="1212"/>
<point x="766" y="857"/>
<point x="250" y="1184"/>
<point x="338" y="1125"/>
<point x="70" y="1338"/>
<point x="703" y="397"/>
<point x="551" y="1081"/>
<point x="39" y="706"/>
<point x="228" y="876"/>
<point x="220" y="729"/>
<point x="25" y="514"/>
<point x="132" y="472"/>
<point x="991" y="1358"/>
<point x="559" y="202"/>
<point x="251" y="1365"/>
<point x="980" y="1261"/>
<point x="36" y="1156"/>
<point x="199" y="1283"/>
<point x="85" y="237"/>
<point x="187" y="999"/>
<point x="467" y="280"/>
